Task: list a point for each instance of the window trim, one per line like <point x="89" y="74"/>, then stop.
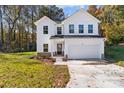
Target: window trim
<point x="45" y="32"/>
<point x="90" y="28"/>
<point x="70" y="30"/>
<point x="44" y="50"/>
<point x="81" y="31"/>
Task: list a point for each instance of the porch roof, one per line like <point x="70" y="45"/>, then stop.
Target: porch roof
<point x="75" y="36"/>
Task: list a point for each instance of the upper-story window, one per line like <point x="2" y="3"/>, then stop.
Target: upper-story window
<point x="45" y="29"/>
<point x="90" y="28"/>
<point x="71" y="28"/>
<point x="59" y="30"/>
<point x="81" y="28"/>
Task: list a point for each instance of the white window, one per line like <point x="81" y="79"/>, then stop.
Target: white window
<point x="59" y="30"/>
<point x="81" y="28"/>
<point x="45" y="29"/>
<point x="45" y="47"/>
<point x="71" y="28"/>
<point x="90" y="28"/>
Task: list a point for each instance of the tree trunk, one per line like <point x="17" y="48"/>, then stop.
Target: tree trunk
<point x="9" y="38"/>
<point x="27" y="37"/>
<point x="32" y="18"/>
<point x="19" y="37"/>
<point x="1" y="23"/>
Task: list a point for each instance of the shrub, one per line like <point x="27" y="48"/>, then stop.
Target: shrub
<point x="114" y="34"/>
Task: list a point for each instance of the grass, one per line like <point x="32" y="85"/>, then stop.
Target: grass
<point x="115" y="54"/>
<point x="17" y="70"/>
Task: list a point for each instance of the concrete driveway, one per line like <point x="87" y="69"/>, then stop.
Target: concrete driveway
<point x="94" y="74"/>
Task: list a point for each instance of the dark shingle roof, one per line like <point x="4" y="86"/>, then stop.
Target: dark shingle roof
<point x="75" y="36"/>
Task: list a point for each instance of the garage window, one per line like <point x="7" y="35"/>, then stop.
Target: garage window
<point x="45" y="47"/>
<point x="90" y="28"/>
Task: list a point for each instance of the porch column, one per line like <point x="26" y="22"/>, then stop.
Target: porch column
<point x="65" y="48"/>
<point x="102" y="49"/>
<point x="52" y="47"/>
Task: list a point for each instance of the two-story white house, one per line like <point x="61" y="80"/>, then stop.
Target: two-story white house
<point x="77" y="37"/>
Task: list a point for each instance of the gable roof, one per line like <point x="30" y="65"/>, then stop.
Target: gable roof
<point x="86" y="13"/>
<point x="38" y="21"/>
<point x="82" y="10"/>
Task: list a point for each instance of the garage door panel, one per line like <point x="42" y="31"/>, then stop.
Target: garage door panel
<point x="83" y="51"/>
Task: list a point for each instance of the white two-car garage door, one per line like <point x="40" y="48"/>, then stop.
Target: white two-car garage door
<point x="83" y="51"/>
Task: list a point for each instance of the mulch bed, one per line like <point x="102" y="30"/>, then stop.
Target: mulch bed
<point x="62" y="77"/>
<point x="47" y="60"/>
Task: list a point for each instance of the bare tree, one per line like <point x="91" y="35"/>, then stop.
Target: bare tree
<point x="11" y="22"/>
<point x="1" y="24"/>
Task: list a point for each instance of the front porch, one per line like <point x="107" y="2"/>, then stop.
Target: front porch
<point x="57" y="53"/>
<point x="57" y="47"/>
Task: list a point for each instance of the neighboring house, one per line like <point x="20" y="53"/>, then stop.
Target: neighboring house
<point x="77" y="37"/>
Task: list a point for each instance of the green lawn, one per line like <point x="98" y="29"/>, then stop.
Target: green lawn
<point x="17" y="70"/>
<point x="115" y="54"/>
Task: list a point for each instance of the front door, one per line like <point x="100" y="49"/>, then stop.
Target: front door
<point x="59" y="49"/>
